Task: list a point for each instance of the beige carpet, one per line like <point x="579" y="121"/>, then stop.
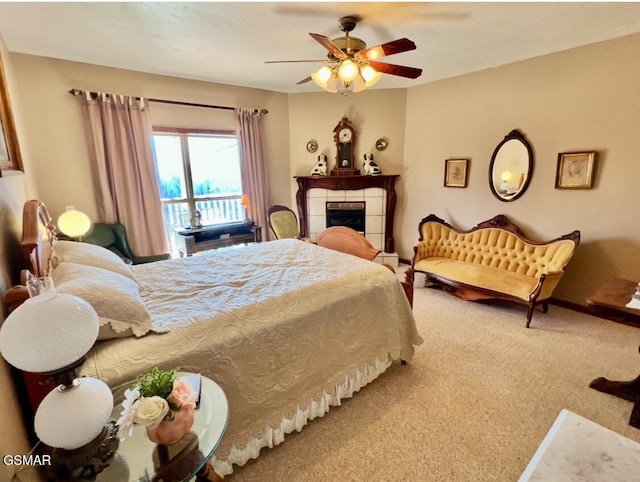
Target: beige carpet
<point x="474" y="403"/>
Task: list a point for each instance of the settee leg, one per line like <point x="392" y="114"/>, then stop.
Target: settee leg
<point x="530" y="314"/>
<point x="403" y="362"/>
<point x="545" y="307"/>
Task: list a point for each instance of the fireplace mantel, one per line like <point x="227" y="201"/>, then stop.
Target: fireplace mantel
<point x="349" y="183"/>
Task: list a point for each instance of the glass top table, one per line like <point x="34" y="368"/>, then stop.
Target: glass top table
<point x="144" y="460"/>
<point x="137" y="459"/>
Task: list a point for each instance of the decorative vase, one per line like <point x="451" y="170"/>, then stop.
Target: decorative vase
<point x="172" y="431"/>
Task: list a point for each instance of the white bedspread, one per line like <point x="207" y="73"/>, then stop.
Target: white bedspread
<point x="286" y="328"/>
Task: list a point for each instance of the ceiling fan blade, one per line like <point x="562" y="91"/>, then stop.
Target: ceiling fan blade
<point x="294" y="61"/>
<point x="328" y="44"/>
<point x="399" y="70"/>
<point x="389" y="48"/>
<point x="304" y="81"/>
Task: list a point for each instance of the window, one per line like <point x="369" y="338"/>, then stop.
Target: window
<point x="198" y="171"/>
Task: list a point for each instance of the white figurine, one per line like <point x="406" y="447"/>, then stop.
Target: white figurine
<point x="320" y="169"/>
<point x="370" y="167"/>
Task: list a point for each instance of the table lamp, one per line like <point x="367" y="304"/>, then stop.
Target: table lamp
<point x="50" y="334"/>
<point x="506" y="177"/>
<point x="74" y="223"/>
<point x="246" y="202"/>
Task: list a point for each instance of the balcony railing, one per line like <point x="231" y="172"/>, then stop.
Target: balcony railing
<point x="213" y="211"/>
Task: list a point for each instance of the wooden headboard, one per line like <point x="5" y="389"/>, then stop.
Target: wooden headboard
<point x="38" y="233"/>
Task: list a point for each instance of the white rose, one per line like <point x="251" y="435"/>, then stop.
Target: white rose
<point x="151" y="411"/>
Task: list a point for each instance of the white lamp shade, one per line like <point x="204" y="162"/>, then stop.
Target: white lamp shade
<point x="72" y="418"/>
<point x="73" y="223"/>
<point x="48" y="332"/>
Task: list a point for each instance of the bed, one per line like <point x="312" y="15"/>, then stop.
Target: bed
<point x="286" y="328"/>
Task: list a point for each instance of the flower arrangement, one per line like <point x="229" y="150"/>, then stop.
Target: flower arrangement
<point x="157" y="397"/>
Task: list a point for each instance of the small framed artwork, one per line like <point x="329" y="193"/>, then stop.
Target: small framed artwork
<point x="455" y="172"/>
<point x="10" y="159"/>
<point x="575" y="170"/>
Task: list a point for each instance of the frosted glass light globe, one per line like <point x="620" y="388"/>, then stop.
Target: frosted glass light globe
<point x="69" y="419"/>
<point x="48" y="332"/>
<point x="325" y="79"/>
<point x="370" y="75"/>
<point x="74" y="223"/>
<point x="348" y="70"/>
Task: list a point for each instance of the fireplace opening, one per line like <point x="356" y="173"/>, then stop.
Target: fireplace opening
<point x="350" y="214"/>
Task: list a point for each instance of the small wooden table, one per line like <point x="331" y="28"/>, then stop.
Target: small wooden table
<point x="612" y="297"/>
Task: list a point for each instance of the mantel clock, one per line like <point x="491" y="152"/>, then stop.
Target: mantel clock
<point x="344" y="136"/>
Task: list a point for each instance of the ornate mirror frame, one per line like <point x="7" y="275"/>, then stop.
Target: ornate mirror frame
<point x="511" y="167"/>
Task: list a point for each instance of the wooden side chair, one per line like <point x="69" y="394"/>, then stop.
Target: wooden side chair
<point x="283" y="222"/>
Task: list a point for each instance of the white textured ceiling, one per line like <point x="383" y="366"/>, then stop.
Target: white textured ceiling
<point x="229" y="42"/>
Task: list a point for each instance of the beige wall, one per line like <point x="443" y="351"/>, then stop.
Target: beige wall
<point x="583" y="99"/>
<point x="15" y="189"/>
<point x="374" y="113"/>
<point x="56" y="132"/>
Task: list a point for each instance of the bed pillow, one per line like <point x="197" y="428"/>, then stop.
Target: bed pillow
<point x="115" y="298"/>
<point x="90" y="255"/>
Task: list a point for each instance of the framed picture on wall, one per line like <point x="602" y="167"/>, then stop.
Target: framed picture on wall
<point x="455" y="172"/>
<point x="575" y="170"/>
<point x="9" y="151"/>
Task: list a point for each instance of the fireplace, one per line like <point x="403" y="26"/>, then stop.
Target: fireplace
<point x="380" y="208"/>
<point x="350" y="214"/>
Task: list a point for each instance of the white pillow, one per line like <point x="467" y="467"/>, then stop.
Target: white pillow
<point x="90" y="255"/>
<point x="115" y="298"/>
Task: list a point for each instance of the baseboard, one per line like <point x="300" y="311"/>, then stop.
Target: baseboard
<point x="404" y="261"/>
<point x="611" y="315"/>
<point x="571" y="305"/>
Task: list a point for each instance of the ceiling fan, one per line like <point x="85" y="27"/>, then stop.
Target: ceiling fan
<point x="350" y="64"/>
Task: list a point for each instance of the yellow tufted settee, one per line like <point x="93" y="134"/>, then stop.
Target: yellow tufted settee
<point x="492" y="260"/>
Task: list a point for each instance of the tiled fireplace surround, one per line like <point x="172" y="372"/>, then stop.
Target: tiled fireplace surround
<point x="377" y="192"/>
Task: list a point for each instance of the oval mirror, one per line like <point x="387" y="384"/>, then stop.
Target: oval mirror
<point x="511" y="167"/>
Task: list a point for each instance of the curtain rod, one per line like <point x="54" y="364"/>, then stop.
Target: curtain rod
<point x="77" y="92"/>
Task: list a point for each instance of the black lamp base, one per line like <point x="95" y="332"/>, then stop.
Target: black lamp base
<point x="86" y="462"/>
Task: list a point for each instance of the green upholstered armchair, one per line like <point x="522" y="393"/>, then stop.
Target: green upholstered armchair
<point x="114" y="238"/>
<point x="283" y="222"/>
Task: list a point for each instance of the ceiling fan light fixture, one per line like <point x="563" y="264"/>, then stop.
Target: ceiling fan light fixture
<point x="358" y="85"/>
<point x="322" y="76"/>
<point x="375" y="53"/>
<point x="348" y="71"/>
<point x="332" y="85"/>
<point x="370" y="75"/>
<point x="326" y="79"/>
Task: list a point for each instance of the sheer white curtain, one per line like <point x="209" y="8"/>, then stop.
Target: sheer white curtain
<point x="119" y="136"/>
<point x="253" y="164"/>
